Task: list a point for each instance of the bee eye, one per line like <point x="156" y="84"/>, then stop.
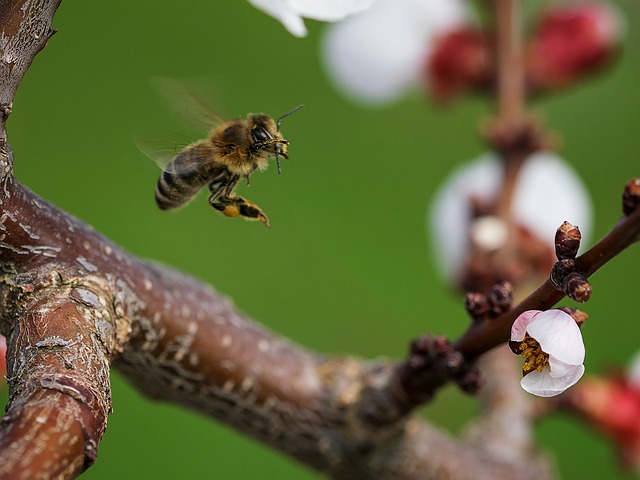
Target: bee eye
<point x="259" y="134"/>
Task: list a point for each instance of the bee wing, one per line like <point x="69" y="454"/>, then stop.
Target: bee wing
<point x="187" y="102"/>
<point x="162" y="147"/>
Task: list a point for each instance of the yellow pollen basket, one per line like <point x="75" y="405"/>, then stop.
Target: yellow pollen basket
<point x="231" y="211"/>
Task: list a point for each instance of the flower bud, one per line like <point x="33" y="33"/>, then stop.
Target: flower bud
<point x="578" y="315"/>
<point x="560" y="270"/>
<point x="567" y="241"/>
<point x="500" y="298"/>
<point x="612" y="405"/>
<point x="577" y="287"/>
<point x="459" y="61"/>
<point x="571" y="41"/>
<point x="477" y="305"/>
<point x="631" y="196"/>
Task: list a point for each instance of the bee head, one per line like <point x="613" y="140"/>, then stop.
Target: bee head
<point x="281" y="146"/>
<point x="265" y="136"/>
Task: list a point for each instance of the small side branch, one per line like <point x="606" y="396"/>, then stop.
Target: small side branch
<point x="482" y="337"/>
<point x="25" y="28"/>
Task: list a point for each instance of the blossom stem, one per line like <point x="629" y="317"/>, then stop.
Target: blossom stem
<point x="510" y="97"/>
<point x="510" y="68"/>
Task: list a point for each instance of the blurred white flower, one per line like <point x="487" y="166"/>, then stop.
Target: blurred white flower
<point x="291" y="12"/>
<point x="377" y="55"/>
<point x="552" y="346"/>
<point x="548" y="192"/>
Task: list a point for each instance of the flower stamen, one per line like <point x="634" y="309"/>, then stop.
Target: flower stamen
<point x="535" y="358"/>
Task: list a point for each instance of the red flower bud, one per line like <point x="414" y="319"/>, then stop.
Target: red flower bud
<point x="613" y="406"/>
<point x="570" y="42"/>
<point x="459" y="61"/>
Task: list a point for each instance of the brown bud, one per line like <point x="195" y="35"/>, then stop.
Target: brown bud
<point x="500" y="298"/>
<point x="560" y="270"/>
<point x="578" y="315"/>
<point x="441" y="344"/>
<point x="471" y="382"/>
<point x="477" y="305"/>
<point x="577" y="287"/>
<point x="567" y="241"/>
<point x="453" y="362"/>
<point x="631" y="196"/>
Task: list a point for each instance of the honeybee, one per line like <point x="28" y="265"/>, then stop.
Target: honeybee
<point x="232" y="152"/>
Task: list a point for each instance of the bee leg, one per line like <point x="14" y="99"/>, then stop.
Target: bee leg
<point x="236" y="206"/>
<point x="251" y="210"/>
<point x="216" y="191"/>
<point x="222" y="188"/>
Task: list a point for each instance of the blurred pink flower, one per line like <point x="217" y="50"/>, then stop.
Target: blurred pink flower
<point x="611" y="403"/>
<point x="3" y="359"/>
<point x="291" y="12"/>
<point x="552" y="345"/>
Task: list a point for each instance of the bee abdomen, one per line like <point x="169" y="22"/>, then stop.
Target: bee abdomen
<point x="182" y="179"/>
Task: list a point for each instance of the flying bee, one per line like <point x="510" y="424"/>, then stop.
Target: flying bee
<point x="232" y="152"/>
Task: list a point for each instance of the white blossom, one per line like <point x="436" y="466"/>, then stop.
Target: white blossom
<point x="291" y="12"/>
<point x="547" y="193"/>
<point x="557" y="336"/>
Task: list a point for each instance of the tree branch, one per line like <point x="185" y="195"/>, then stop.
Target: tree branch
<point x="25" y="30"/>
<point x="58" y="376"/>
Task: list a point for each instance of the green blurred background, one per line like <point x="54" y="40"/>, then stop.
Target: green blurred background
<point x="346" y="266"/>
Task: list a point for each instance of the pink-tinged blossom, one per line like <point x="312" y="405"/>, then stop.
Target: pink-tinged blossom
<point x="552" y="346"/>
<point x="377" y="56"/>
<point x="291" y="12"/>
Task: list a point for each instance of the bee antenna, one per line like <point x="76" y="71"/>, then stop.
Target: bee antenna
<point x="283" y="116"/>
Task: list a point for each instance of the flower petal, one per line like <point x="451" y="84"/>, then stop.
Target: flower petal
<point x="543" y="384"/>
<point x="559" y="336"/>
<point x="282" y="11"/>
<point x="548" y="192"/>
<point x="519" y="327"/>
<point x="329" y="10"/>
<point x="290" y="12"/>
<point x="371" y="57"/>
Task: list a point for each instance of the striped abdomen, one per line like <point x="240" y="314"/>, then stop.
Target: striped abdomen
<point x="184" y="177"/>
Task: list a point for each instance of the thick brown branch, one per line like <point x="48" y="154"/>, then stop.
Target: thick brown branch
<point x="190" y="346"/>
<point x="58" y="375"/>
